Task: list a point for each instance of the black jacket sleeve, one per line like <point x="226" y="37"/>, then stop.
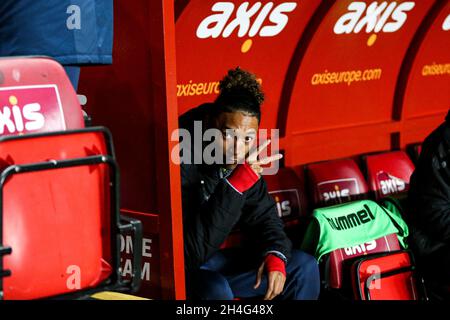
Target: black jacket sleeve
<point x="430" y="190"/>
<point x="429" y="194"/>
<point x="261" y="217"/>
<point x="207" y="224"/>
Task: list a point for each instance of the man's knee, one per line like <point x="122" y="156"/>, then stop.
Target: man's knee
<point x="303" y="275"/>
<point x="211" y="285"/>
<point x="304" y="263"/>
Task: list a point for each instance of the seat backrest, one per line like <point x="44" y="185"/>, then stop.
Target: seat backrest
<point x="65" y="244"/>
<point x="54" y="146"/>
<point x="335" y="181"/>
<point x="389" y="276"/>
<point x="388" y="173"/>
<point x="288" y="191"/>
<point x="337" y="258"/>
<point x="36" y="96"/>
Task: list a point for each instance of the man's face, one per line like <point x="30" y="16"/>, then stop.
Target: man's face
<point x="238" y="136"/>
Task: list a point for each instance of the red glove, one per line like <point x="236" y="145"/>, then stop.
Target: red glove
<point x="273" y="263"/>
<point x="243" y="177"/>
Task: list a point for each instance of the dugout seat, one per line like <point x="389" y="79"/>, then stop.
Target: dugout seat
<point x="335" y="262"/>
<point x="335" y="181"/>
<point x="386" y="276"/>
<point x="388" y="173"/>
<point x="339" y="234"/>
<point x="59" y="199"/>
<point x="288" y="191"/>
<point x="36" y="96"/>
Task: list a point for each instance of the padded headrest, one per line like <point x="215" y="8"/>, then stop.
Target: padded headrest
<point x="335" y="181"/>
<point x="36" y="96"/>
<point x="288" y="192"/>
<point x="389" y="173"/>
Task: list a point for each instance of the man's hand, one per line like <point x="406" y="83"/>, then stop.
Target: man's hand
<point x="275" y="282"/>
<point x="255" y="163"/>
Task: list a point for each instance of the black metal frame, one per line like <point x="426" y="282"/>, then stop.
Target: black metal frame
<point x="385" y="275"/>
<point x="118" y="223"/>
<point x="106" y="134"/>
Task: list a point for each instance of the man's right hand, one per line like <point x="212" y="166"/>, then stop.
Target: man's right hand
<point x="275" y="282"/>
<point x="245" y="175"/>
<point x="255" y="163"/>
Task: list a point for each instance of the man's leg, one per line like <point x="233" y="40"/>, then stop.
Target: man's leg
<point x="209" y="285"/>
<point x="302" y="280"/>
<point x="214" y="275"/>
<point x="435" y="269"/>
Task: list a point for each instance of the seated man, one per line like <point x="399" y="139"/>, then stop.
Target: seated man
<point x="429" y="209"/>
<point x="230" y="192"/>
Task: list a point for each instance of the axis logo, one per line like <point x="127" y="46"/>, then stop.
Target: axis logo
<point x="14" y="119"/>
<point x="287" y="202"/>
<point x="30" y="109"/>
<point x="376" y="17"/>
<point x="388" y="184"/>
<point x="336" y="194"/>
<point x="338" y="190"/>
<point x="266" y="20"/>
<point x="361" y="248"/>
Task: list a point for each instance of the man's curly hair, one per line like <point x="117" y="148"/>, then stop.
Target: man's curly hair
<point x="240" y="91"/>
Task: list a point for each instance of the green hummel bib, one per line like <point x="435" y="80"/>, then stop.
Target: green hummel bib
<point x="351" y="224"/>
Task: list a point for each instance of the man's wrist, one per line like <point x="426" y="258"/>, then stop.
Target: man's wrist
<point x="274" y="263"/>
<point x="242" y="178"/>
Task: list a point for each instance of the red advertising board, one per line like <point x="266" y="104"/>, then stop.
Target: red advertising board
<point x="428" y="85"/>
<point x="213" y="37"/>
<point x="427" y="91"/>
<point x="349" y="73"/>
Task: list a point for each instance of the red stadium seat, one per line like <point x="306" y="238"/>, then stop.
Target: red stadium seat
<point x="335" y="181"/>
<point x="336" y="237"/>
<point x="59" y="209"/>
<point x="389" y="276"/>
<point x="335" y="276"/>
<point x="45" y="215"/>
<point x="288" y="191"/>
<point x="36" y="96"/>
<point x="388" y="173"/>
